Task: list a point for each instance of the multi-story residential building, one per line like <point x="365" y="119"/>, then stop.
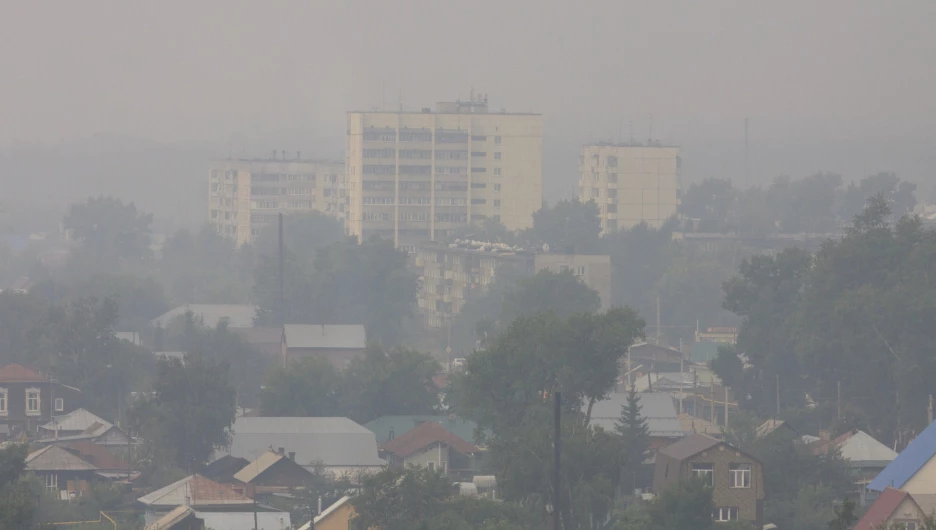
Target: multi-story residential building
<point x="631" y="183"/>
<point x="417" y="176"/>
<point x="244" y="196"/>
<point x="454" y="273"/>
<point x="736" y="478"/>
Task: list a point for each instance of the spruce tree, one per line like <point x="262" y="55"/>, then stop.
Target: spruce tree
<point x="632" y="427"/>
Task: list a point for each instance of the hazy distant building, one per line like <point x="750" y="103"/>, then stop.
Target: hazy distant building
<point x="631" y="183"/>
<point x="452" y="274"/>
<point x="244" y="196"/>
<point x="416" y="176"/>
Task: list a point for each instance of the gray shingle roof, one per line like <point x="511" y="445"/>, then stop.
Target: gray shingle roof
<point x="237" y="315"/>
<point x="54" y="458"/>
<point x="335" y="442"/>
<point x="76" y="420"/>
<point x="658" y="408"/>
<point x="325" y="336"/>
<point x="690" y="445"/>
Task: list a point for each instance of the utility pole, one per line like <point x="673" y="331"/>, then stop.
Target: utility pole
<point x="658" y="322"/>
<point x="282" y="284"/>
<point x="726" y="407"/>
<point x="747" y="181"/>
<point x="778" y="396"/>
<point x="557" y="418"/>
<point x="838" y="401"/>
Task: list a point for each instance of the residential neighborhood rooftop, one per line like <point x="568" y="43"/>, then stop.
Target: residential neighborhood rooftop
<point x="690" y="445"/>
<point x="423" y="436"/>
<point x="908" y="462"/>
<point x="76" y="420"/>
<point x="658" y="408"/>
<point x="195" y="491"/>
<point x="17" y="373"/>
<point x="55" y="458"/>
<point x="236" y="315"/>
<point x="882" y="509"/>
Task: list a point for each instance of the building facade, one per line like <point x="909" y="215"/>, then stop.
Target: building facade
<point x="631" y="183"/>
<point x="417" y="176"/>
<point x="451" y="274"/>
<point x="244" y="196"/>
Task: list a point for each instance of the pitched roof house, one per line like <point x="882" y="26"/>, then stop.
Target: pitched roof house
<point x="337" y="343"/>
<point x="389" y="427"/>
<point x="431" y="445"/>
<point x="210" y="315"/>
<point x="219" y="505"/>
<point x="75" y="422"/>
<point x="338" y="444"/>
<point x="63" y="471"/>
<point x="181" y="518"/>
<point x="273" y="472"/>
<point x="737" y="478"/>
<point x="224" y="468"/>
<point x="28" y="398"/>
<point x="914" y="469"/>
<point x="892" y="507"/>
<point x="336" y="517"/>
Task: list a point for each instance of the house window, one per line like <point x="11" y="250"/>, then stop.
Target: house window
<point x="431" y="466"/>
<point x="908" y="525"/>
<point x="3" y="401"/>
<point x="704" y="471"/>
<point x="581" y="270"/>
<point x="51" y="482"/>
<point x="739" y="476"/>
<point x="726" y="513"/>
<point x="32" y="401"/>
<point x="59" y="404"/>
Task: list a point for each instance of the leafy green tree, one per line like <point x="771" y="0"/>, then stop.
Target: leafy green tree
<point x="189" y="413"/>
<point x="17" y="501"/>
<point x="845" y="516"/>
<point x="568" y="227"/>
<point x="346" y="283"/>
<point x="900" y="195"/>
<point x="712" y="202"/>
<point x="635" y="436"/>
<point x="138" y="299"/>
<point x="561" y="292"/>
<point x="401" y="499"/>
<point x="307" y="387"/>
<point x="111" y="233"/>
<point x="22" y="320"/>
<point x="204" y="267"/>
<point x="390" y="382"/>
<point x="686" y="505"/>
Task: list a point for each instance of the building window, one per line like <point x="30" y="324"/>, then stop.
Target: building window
<point x="725" y="513"/>
<point x="612" y="177"/>
<point x="496" y="187"/>
<point x="497" y="203"/>
<point x="3" y="401"/>
<point x="431" y="466"/>
<point x="595" y="177"/>
<point x="497" y="172"/>
<point x="612" y="193"/>
<point x="612" y="208"/>
<point x="596" y="192"/>
<point x="32" y="401"/>
<point x="59" y="404"/>
<point x="497" y="155"/>
<point x="497" y="140"/>
<point x="704" y="471"/>
<point x="612" y="161"/>
<point x="581" y="270"/>
<point x="51" y="482"/>
<point x="739" y="476"/>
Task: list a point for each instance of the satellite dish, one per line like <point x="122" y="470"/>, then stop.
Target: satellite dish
<point x="545" y="247"/>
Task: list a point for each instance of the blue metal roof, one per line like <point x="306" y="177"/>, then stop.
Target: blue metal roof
<point x="908" y="462"/>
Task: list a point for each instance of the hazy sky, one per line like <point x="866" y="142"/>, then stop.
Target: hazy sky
<point x="833" y="85"/>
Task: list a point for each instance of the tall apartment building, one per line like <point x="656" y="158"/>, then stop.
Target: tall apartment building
<point x="631" y="183"/>
<point x="244" y="196"/>
<point x="417" y="176"/>
<point x="451" y="274"/>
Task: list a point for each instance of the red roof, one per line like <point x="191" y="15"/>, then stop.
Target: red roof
<point x="17" y="373"/>
<point x="882" y="509"/>
<point x="96" y="455"/>
<point x="423" y="436"/>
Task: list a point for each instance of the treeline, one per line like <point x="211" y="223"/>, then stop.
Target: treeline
<point x="843" y="337"/>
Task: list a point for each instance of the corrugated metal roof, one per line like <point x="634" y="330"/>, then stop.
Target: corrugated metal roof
<point x="237" y="315"/>
<point x="421" y="437"/>
<point x="690" y="445"/>
<point x="266" y="520"/>
<point x="881" y="510"/>
<point x="258" y="466"/>
<point x="325" y="336"/>
<point x="331" y="441"/>
<point x="54" y="458"/>
<point x="908" y="462"/>
<point x="195" y="491"/>
<point x="658" y="408"/>
<point x="76" y="420"/>
<point x="862" y="447"/>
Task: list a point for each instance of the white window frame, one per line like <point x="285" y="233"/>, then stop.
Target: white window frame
<point x="4" y="401"/>
<point x="723" y="514"/>
<point x="59" y="404"/>
<point x="739" y="476"/>
<point x="51" y="482"/>
<point x="38" y="409"/>
<point x="707" y="473"/>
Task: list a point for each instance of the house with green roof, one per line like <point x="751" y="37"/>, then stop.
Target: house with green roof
<point x="386" y="428"/>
